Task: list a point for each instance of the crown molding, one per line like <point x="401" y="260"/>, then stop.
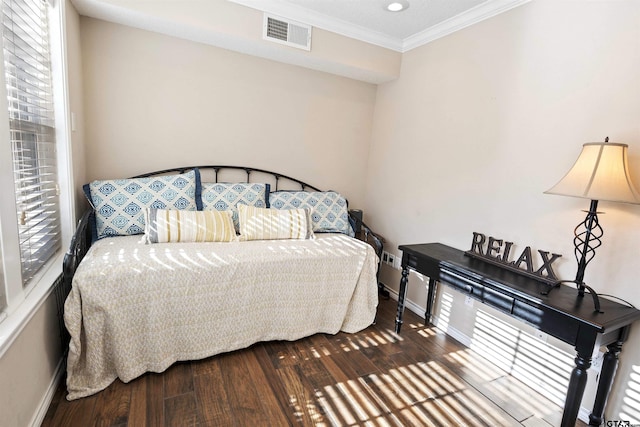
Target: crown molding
<point x="115" y="13"/>
<point x="477" y="14"/>
<point x="319" y="20"/>
<point x="287" y="10"/>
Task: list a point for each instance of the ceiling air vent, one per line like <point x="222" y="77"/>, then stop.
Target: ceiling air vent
<point x="287" y="32"/>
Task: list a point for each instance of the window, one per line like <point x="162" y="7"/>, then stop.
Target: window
<point x="27" y="69"/>
<point x="35" y="159"/>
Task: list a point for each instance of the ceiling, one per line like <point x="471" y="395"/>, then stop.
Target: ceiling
<point x="369" y="21"/>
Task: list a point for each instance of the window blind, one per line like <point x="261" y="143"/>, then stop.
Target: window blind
<point x="27" y="63"/>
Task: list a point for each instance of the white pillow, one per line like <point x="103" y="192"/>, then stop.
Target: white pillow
<point x="273" y="224"/>
<point x="172" y="226"/>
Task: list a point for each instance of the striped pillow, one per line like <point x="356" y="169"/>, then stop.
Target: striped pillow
<point x="171" y="226"/>
<point x="272" y="224"/>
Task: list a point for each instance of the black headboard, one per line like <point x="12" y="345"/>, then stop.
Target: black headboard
<point x="83" y="236"/>
<point x="211" y="173"/>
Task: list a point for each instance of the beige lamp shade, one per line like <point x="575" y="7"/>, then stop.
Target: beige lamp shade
<point x="600" y="173"/>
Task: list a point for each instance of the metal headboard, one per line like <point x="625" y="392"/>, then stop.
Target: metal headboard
<point x="277" y="177"/>
<point x="83" y="236"/>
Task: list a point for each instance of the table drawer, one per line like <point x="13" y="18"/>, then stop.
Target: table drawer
<point x="478" y="291"/>
<point x="553" y="323"/>
<point x="498" y="300"/>
<point x="550" y="322"/>
<point x="461" y="283"/>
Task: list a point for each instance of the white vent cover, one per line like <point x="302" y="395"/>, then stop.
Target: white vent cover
<point x="287" y="32"/>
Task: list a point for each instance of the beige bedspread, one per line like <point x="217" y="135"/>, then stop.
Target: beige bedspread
<point x="135" y="308"/>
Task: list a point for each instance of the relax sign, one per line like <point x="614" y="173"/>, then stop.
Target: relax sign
<point x="499" y="252"/>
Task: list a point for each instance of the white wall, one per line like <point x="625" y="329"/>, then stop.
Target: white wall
<point x="481" y="122"/>
<point x="154" y="102"/>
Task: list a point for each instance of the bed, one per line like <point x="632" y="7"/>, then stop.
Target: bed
<point x="137" y="306"/>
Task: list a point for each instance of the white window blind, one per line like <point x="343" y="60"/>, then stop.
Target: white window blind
<point x="27" y="63"/>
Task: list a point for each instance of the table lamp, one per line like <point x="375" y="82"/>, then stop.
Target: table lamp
<point x="601" y="172"/>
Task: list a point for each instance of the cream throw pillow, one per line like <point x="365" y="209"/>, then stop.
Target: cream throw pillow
<point x="172" y="226"/>
<point x="273" y="224"/>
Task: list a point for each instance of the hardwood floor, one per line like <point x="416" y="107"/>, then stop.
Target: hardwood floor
<point x="422" y="377"/>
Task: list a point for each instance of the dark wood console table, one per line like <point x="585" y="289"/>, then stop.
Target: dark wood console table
<point x="562" y="313"/>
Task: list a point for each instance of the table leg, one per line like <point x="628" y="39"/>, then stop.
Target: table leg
<point x="577" y="383"/>
<point x="401" y="296"/>
<point x="431" y="296"/>
<point x="607" y="373"/>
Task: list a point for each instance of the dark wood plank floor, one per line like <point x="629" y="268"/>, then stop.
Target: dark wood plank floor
<point x="422" y="377"/>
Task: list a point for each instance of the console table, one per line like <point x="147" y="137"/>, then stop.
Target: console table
<point x="560" y="313"/>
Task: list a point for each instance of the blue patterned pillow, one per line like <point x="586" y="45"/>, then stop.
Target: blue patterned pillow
<point x="120" y="203"/>
<point x="329" y="212"/>
<point x="223" y="196"/>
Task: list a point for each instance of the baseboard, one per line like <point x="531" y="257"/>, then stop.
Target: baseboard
<point x="583" y="413"/>
<point x="48" y="397"/>
<point x="415" y="308"/>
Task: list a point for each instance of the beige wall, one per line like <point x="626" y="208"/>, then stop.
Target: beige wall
<point x="29" y="367"/>
<point x="76" y="107"/>
<point x="239" y="28"/>
<point x="481" y="122"/>
<point x="153" y="102"/>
